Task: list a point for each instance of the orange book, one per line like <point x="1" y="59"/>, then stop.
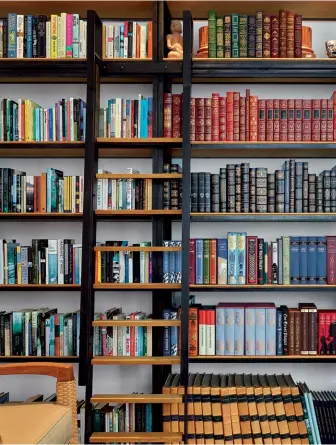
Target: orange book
<point x="213" y="261"/>
<point x="226" y="412"/>
<point x="196" y="390"/>
<point x="253" y="118"/>
<point x="137" y="53"/>
<point x="42" y="194"/>
<point x="193" y="331"/>
<point x="174" y="406"/>
<point x="190" y="410"/>
<point x="216" y="409"/>
<point x="180" y="391"/>
<point x="57" y="336"/>
<point x="150" y="41"/>
<point x="166" y="406"/>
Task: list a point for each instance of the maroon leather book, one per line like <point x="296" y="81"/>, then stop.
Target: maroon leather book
<point x="229" y="116"/>
<point x="176" y="117"/>
<point x="215" y="117"/>
<point x="192" y="261"/>
<point x="306" y="120"/>
<point x="324" y="116"/>
<point x="290" y="34"/>
<point x="236" y="100"/>
<point x="283" y="120"/>
<point x="192" y="119"/>
<point x="167" y="115"/>
<point x="242" y="118"/>
<point x="290" y="120"/>
<point x="247" y="115"/>
<point x="266" y="36"/>
<point x="274" y="36"/>
<point x="304" y="329"/>
<point x="252" y="259"/>
<point x="297" y="338"/>
<point x="298" y="120"/>
<point x="282" y="34"/>
<point x="316" y="120"/>
<point x="222" y="118"/>
<point x="276" y="120"/>
<point x="253" y="118"/>
<point x="261" y="120"/>
<point x="207" y="118"/>
<point x="298" y="36"/>
<point x="291" y="331"/>
<point x="199" y="109"/>
<point x="331" y="259"/>
<point x="330" y="121"/>
<point x="269" y="120"/>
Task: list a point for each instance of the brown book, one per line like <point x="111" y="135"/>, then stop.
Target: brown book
<point x="290" y="34"/>
<point x="261" y="409"/>
<point x="36" y="192"/>
<point x="276" y="120"/>
<point x="206" y="409"/>
<point x="269" y="120"/>
<point x="316" y="120"/>
<point x="298" y="409"/>
<point x="274" y="36"/>
<point x="291" y="120"/>
<point x="229" y="116"/>
<point x="196" y="390"/>
<point x="222" y="118"/>
<point x="297" y="342"/>
<point x="283" y="120"/>
<point x="200" y="119"/>
<point x="306" y="120"/>
<point x="207" y="119"/>
<point x="192" y="119"/>
<point x="330" y="121"/>
<point x="42" y="194"/>
<point x="261" y="120"/>
<point x="242" y="118"/>
<point x="174" y="406"/>
<point x="190" y="410"/>
<point x="298" y="36"/>
<point x="236" y="101"/>
<point x="181" y="392"/>
<point x="313" y="329"/>
<point x="234" y="413"/>
<point x="226" y="412"/>
<point x="252" y="409"/>
<point x="193" y="331"/>
<point x="291" y="331"/>
<point x="259" y="34"/>
<point x="266" y="36"/>
<point x="247" y="115"/>
<point x="282" y="34"/>
<point x="270" y="410"/>
<point x="167" y="115"/>
<point x="279" y="410"/>
<point x="253" y="118"/>
<point x="243" y="411"/>
<point x="288" y="404"/>
<point x="176" y="116"/>
<point x="216" y="409"/>
<point x="298" y="120"/>
<point x="304" y="328"/>
<point x="324" y="117"/>
<point x="215" y="117"/>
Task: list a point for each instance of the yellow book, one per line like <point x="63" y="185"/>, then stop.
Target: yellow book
<point x="54" y="36"/>
<point x="65" y="191"/>
<point x="27" y="120"/>
<point x="99" y="266"/>
<point x="18" y="267"/>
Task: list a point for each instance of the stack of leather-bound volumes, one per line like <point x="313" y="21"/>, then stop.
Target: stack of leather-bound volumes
<point x="238" y="409"/>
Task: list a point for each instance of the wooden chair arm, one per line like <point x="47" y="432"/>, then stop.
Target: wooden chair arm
<point x="62" y="372"/>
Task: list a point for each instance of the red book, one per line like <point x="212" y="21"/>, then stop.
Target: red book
<point x="210" y="332"/>
<point x="316" y="120"/>
<point x="242" y="118"/>
<point x="36" y="192"/>
<point x="324" y="117"/>
<point x="192" y="259"/>
<point x="247" y="115"/>
<point x="330" y="121"/>
<point x="176" y="116"/>
<point x="333" y="97"/>
<point x="283" y="120"/>
<point x="331" y="259"/>
<point x="327" y="324"/>
<point x="222" y="118"/>
<point x="291" y="120"/>
<point x="306" y="120"/>
<point x="229" y="116"/>
<point x="298" y="36"/>
<point x="269" y="264"/>
<point x="269" y="120"/>
<point x="290" y="34"/>
<point x="167" y="116"/>
<point x="193" y="331"/>
<point x="215" y="117"/>
<point x="282" y="34"/>
<point x="298" y="120"/>
<point x="252" y="259"/>
<point x="274" y="36"/>
<point x="150" y="40"/>
<point x="266" y="42"/>
<point x="199" y="119"/>
<point x="213" y="261"/>
<point x="192" y="119"/>
<point x="207" y="119"/>
<point x="261" y="120"/>
<point x="276" y="120"/>
<point x="236" y="100"/>
<point x="253" y="118"/>
<point x="322" y="334"/>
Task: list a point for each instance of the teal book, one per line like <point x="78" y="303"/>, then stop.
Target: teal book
<point x="18" y="333"/>
<point x="11" y="263"/>
<point x="61" y="334"/>
<point x="52" y="336"/>
<point x="148" y="418"/>
<point x="52" y="261"/>
<point x="232" y="258"/>
<point x="235" y="35"/>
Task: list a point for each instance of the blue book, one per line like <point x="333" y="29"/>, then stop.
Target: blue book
<point x="112" y="118"/>
<point x="49" y="179"/>
<point x="173" y="334"/>
<point x="279" y="322"/>
<point x="178" y="263"/>
<point x="77" y="265"/>
<point x="52" y="336"/>
<point x="271" y="330"/>
<point x="29" y="36"/>
<point x="51" y="127"/>
<point x="311" y="260"/>
<point x="222" y="261"/>
<point x="294" y="260"/>
<point x="144" y="119"/>
<point x="239" y="329"/>
<point x="199" y="261"/>
<point x="321" y="260"/>
<point x="52" y="262"/>
<point x="150" y="112"/>
<point x="241" y="258"/>
<point x="232" y="260"/>
<point x="250" y="330"/>
<point x="229" y="330"/>
<point x="165" y="265"/>
<point x="172" y="267"/>
<point x="220" y="330"/>
<point x="166" y="332"/>
<point x="148" y="418"/>
<point x="260" y="328"/>
<point x="12" y="38"/>
<point x="303" y="260"/>
<point x="121" y="50"/>
<point x="128" y="110"/>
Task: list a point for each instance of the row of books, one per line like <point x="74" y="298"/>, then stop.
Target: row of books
<point x="126" y="118"/>
<point x="57" y="261"/>
<point x="24" y="120"/>
<point x="242" y="189"/>
<point x="260" y="35"/>
<point x="28" y="36"/>
<point x="123" y="340"/>
<point x="237" y="118"/>
<point x="240" y="259"/>
<point x="39" y="332"/>
<point x="238" y="408"/>
<point x="130" y="40"/>
<point x="49" y="192"/>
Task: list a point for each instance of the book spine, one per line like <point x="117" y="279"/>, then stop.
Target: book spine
<point x="220" y="331"/>
<point x="261" y="120"/>
<point x="69" y="35"/>
<point x="321" y="260"/>
<point x="247" y="115"/>
<point x="215" y="191"/>
<point x="238" y="188"/>
<point x="235" y="35"/>
<point x="236" y="102"/>
<point x="275" y="264"/>
<point x="239" y="331"/>
<point x="276" y="120"/>
<point x="20" y="36"/>
<point x="303" y="261"/>
<point x="304" y="331"/>
<point x="252" y="260"/>
<point x="313" y="331"/>
<point x="253" y="118"/>
<point x="279" y="191"/>
<point x="250" y="331"/>
<point x="298" y="120"/>
<point x="282" y="34"/>
<point x="311" y="260"/>
<point x="166" y="333"/>
<point x="294" y="260"/>
<point x="206" y="261"/>
<point x="330" y="120"/>
<point x="286" y="259"/>
<point x="227" y="36"/>
<point x="215" y="117"/>
<point x="176" y="116"/>
<point x="12" y="37"/>
<point x="331" y="260"/>
<point x="316" y="120"/>
<point x="283" y="120"/>
<point x="200" y="119"/>
<point x="232" y="262"/>
<point x="167" y="115"/>
<point x="212" y="34"/>
<point x="279" y="334"/>
<point x="231" y="188"/>
<point x="291" y="120"/>
<point x="260" y="328"/>
<point x="220" y="38"/>
<point x="291" y="332"/>
<point x="306" y="120"/>
<point x="259" y="34"/>
<point x="285" y="322"/>
<point x="251" y="36"/>
<point x="222" y="118"/>
<point x="269" y="120"/>
<point x="290" y="31"/>
<point x="202" y="332"/>
<point x="260" y="261"/>
<point x="213" y="261"/>
<point x="222" y="261"/>
<point x="274" y="36"/>
<point x="270" y="331"/>
<point x="266" y="36"/>
<point x="193" y="331"/>
<point x="210" y="332"/>
<point x="324" y="119"/>
<point x="192" y="119"/>
<point x="229" y="331"/>
<point x="242" y="35"/>
<point x="298" y="36"/>
<point x="199" y="261"/>
<point x="241" y="258"/>
<point x="242" y="118"/>
<point x="297" y="332"/>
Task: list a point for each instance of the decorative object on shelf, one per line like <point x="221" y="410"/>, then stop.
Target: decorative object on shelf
<point x="175" y="40"/>
<point x="307" y="38"/>
<point x="203" y="51"/>
<point x="331" y="48"/>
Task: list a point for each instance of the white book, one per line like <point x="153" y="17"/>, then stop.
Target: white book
<point x="202" y="339"/>
<point x="63" y="35"/>
<point x="19" y="35"/>
<point x="105" y="124"/>
<point x="134" y="40"/>
<point x="110" y="40"/>
<point x="118" y="118"/>
<point x="60" y="261"/>
<point x="122" y="267"/>
<point x="105" y="194"/>
<point x="47" y="264"/>
<point x="58" y="37"/>
<point x="129" y="187"/>
<point x="114" y="194"/>
<point x="81" y="34"/>
<point x="2" y="278"/>
<point x="99" y="194"/>
<point x="73" y="193"/>
<point x="48" y="38"/>
<point x="210" y="339"/>
<point x="84" y="39"/>
<point x="130" y="268"/>
<point x="47" y="336"/>
<point x="125" y="47"/>
<point x="143" y="41"/>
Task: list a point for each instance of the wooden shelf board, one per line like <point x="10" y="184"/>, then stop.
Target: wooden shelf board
<point x="136" y="398"/>
<point x="136" y="249"/>
<point x="139" y="176"/>
<point x="137" y="141"/>
<point x="137" y="286"/>
<point x="42" y="152"/>
<point x="275" y="357"/>
<point x="264" y="217"/>
<point x="108" y="360"/>
<point x="258" y="60"/>
<point x="39" y="143"/>
<point x="136" y="438"/>
<point x="264" y="143"/>
<point x="40" y="214"/>
<point x="262" y="287"/>
<point x="129" y="60"/>
<point x="41" y="59"/>
<point x="23" y="358"/>
<point x="215" y="214"/>
<point x="137" y="212"/>
<point x="154" y="323"/>
<point x="39" y="286"/>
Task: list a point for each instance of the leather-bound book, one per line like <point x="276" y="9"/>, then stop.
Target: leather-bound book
<point x="269" y="120"/>
<point x="176" y="115"/>
<point x="297" y="339"/>
<point x="259" y="34"/>
<point x="207" y="119"/>
<point x="215" y="117"/>
<point x="203" y="51"/>
<point x="216" y="409"/>
<point x="236" y="101"/>
<point x="266" y="36"/>
<point x="247" y="115"/>
<point x="220" y="37"/>
<point x="252" y="409"/>
<point x="238" y="187"/>
<point x="192" y="119"/>
<point x="227" y="37"/>
<point x="193" y="330"/>
<point x="226" y="413"/>
<point x="243" y="411"/>
<point x="235" y="36"/>
<point x="245" y="172"/>
<point x="283" y="120"/>
<point x="330" y="120"/>
<point x="289" y="410"/>
<point x="291" y="331"/>
<point x="276" y="120"/>
<point x="196" y="390"/>
<point x="298" y="120"/>
<point x="242" y="118"/>
<point x="298" y="36"/>
<point x="270" y="411"/>
<point x="306" y="120"/>
<point x="331" y="259"/>
<point x="274" y="36"/>
<point x="242" y="35"/>
<point x="324" y="116"/>
<point x="251" y="36"/>
<point x="167" y="115"/>
<point x="252" y="260"/>
<point x="253" y="118"/>
<point x="333" y="97"/>
<point x="316" y="120"/>
<point x="261" y="120"/>
<point x="190" y="409"/>
<point x="236" y="432"/>
<point x="222" y="118"/>
<point x="282" y="34"/>
<point x="291" y="120"/>
<point x="290" y="34"/>
<point x="212" y="34"/>
<point x="206" y="409"/>
<point x="304" y="328"/>
<point x="166" y="418"/>
<point x="199" y="109"/>
<point x="229" y="116"/>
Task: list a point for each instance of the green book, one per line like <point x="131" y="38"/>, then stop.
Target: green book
<point x="212" y="34"/>
<point x="266" y="259"/>
<point x="242" y="35"/>
<point x="206" y="261"/>
<point x="227" y="36"/>
<point x="220" y="37"/>
<point x="285" y="260"/>
<point x="18" y="333"/>
<point x="235" y="35"/>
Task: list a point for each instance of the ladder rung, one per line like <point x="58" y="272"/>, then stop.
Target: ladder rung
<point x="136" y="398"/>
<point x="136" y="437"/>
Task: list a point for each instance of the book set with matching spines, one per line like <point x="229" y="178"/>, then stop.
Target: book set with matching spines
<point x="239" y="188"/>
<point x="172" y="263"/>
<point x="127" y="118"/>
<point x="234" y="118"/>
<point x="172" y="189"/>
<point x="130" y="40"/>
<point x="240" y="259"/>
<point x="255" y="36"/>
<point x="48" y="193"/>
<point x="62" y="36"/>
<point x="53" y="261"/>
<point x="26" y="121"/>
<point x="39" y="332"/>
<point x="171" y="335"/>
<point x="237" y="408"/>
<point x="122" y="341"/>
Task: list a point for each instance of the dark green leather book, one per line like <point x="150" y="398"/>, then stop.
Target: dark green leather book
<point x="220" y="37"/>
<point x="235" y="35"/>
<point x="242" y="35"/>
<point x="206" y="261"/>
<point x="212" y="34"/>
<point x="259" y="34"/>
<point x="227" y="37"/>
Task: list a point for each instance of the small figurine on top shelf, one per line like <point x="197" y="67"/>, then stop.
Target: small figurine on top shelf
<point x="175" y="40"/>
